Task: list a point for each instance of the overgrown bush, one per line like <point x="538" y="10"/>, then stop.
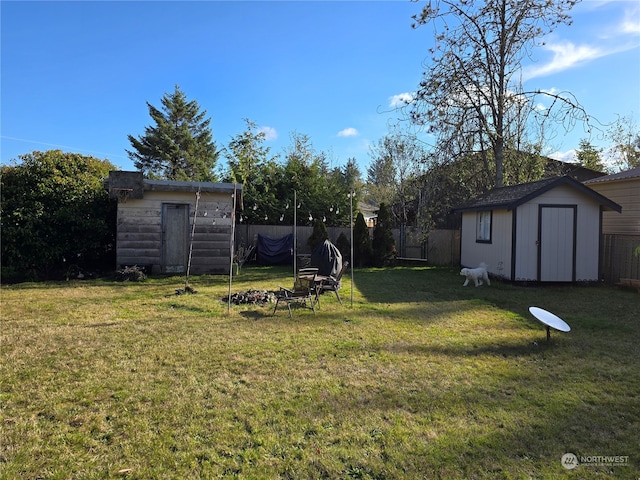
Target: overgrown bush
<point x="55" y="213"/>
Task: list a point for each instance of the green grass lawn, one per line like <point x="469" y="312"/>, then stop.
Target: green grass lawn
<point x="421" y="378"/>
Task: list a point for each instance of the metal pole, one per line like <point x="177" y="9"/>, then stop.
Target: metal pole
<point x="295" y="233"/>
<point x="193" y="232"/>
<point x="231" y="244"/>
<point x="351" y="223"/>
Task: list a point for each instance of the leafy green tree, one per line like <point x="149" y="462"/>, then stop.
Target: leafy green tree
<point x="589" y="156"/>
<point x="56" y="215"/>
<point x="625" y="135"/>
<point x="397" y="159"/>
<point x="180" y="145"/>
<point x="251" y="164"/>
<point x="361" y="242"/>
<point x="471" y="92"/>
<point x="268" y="185"/>
<point x="383" y="244"/>
<point x="306" y="172"/>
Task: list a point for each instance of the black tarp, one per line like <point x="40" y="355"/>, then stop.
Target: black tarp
<point x="274" y="251"/>
<point x="327" y="258"/>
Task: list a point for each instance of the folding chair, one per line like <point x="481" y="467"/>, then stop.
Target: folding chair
<point x="332" y="284"/>
<point x="304" y="290"/>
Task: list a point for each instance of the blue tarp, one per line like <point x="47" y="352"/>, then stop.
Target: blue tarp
<point x="275" y="251"/>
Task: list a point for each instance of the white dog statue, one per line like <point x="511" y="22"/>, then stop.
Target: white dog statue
<point x="476" y="274"/>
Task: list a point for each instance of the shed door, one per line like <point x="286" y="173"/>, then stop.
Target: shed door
<point x="556" y="243"/>
<point x="175" y="233"/>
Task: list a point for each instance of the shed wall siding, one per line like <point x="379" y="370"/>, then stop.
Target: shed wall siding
<point x="497" y="254"/>
<point x="587" y="233"/>
<point x="625" y="193"/>
<point x="140" y="236"/>
<point x="526" y="267"/>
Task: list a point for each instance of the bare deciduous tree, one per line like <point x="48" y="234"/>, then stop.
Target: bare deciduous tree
<point x="471" y="96"/>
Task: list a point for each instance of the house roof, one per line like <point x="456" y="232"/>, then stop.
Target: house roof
<point x="512" y="196"/>
<point x="626" y="175"/>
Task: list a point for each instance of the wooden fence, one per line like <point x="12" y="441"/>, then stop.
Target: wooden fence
<point x="441" y="247"/>
<point x="618" y="258"/>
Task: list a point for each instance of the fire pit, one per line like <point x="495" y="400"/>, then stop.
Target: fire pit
<point x="252" y="297"/>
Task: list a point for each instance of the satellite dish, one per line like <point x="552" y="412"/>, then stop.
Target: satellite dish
<point x="549" y="320"/>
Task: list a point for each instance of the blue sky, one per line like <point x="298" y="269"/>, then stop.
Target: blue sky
<point x="76" y="75"/>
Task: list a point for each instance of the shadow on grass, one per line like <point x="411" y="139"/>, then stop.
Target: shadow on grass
<point x="504" y="350"/>
<point x="266" y="312"/>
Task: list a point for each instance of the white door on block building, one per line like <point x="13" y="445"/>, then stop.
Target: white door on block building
<point x="557" y="243"/>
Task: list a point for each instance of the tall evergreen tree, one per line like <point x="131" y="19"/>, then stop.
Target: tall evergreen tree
<point x="383" y="244"/>
<point x="589" y="156"/>
<point x="319" y="234"/>
<point x="361" y="242"/>
<point x="180" y="145"/>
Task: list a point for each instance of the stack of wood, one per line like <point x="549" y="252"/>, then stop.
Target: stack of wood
<point x="252" y="297"/>
<point x="629" y="282"/>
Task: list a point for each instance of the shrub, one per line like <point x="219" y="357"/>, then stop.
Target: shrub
<point x="383" y="244"/>
<point x="319" y="235"/>
<point x="361" y="242"/>
<point x="56" y="213"/>
<point x="342" y="243"/>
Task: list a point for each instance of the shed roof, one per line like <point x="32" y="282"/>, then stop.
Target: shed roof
<point x="626" y="175"/>
<point x="177" y="186"/>
<point x="136" y="185"/>
<point x="512" y="196"/>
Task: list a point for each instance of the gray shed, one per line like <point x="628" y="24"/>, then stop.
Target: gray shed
<point x="158" y="218"/>
<point x="544" y="231"/>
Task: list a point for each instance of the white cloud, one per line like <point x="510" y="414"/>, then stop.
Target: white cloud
<point x="568" y="156"/>
<point x="631" y="24"/>
<point x="270" y="133"/>
<point x="565" y="55"/>
<point x="400" y="100"/>
<point x="348" y="132"/>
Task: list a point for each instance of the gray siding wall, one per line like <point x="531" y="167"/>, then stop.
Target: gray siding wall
<point x="140" y="237"/>
<point x="625" y="193"/>
<point x="497" y="254"/>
